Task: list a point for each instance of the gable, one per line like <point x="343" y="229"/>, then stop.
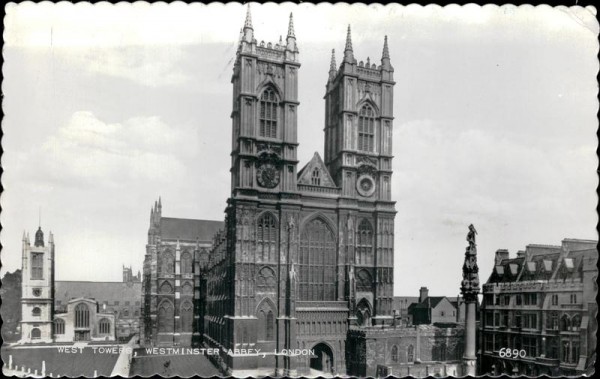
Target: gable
<point x="307" y="175"/>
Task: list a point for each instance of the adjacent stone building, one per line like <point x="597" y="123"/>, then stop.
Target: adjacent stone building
<point x="176" y="252"/>
<point x="122" y="300"/>
<point x="305" y="255"/>
<point x="42" y="321"/>
<point x="543" y="304"/>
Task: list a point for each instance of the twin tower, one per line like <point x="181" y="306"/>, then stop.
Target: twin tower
<point x="308" y="253"/>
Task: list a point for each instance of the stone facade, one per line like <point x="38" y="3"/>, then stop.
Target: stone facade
<point x="305" y="255"/>
<point x="83" y="321"/>
<point x="543" y="304"/>
<point x="417" y="351"/>
<point x="176" y="253"/>
<point x="37" y="297"/>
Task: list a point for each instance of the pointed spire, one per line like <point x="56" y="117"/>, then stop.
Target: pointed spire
<point x="386" y="51"/>
<point x="248" y="30"/>
<point x="159" y="203"/>
<point x="24" y="236"/>
<point x="332" y="66"/>
<point x="348" y="53"/>
<point x="248" y="22"/>
<point x="385" y="57"/>
<point x="50" y="237"/>
<point x="291" y="26"/>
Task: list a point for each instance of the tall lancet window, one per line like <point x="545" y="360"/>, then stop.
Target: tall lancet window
<point x="268" y="114"/>
<point x="366" y="128"/>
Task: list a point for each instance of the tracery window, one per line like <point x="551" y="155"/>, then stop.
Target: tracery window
<point x="37" y="265"/>
<point x="186" y="263"/>
<point x="82" y="316"/>
<point x="187" y="316"/>
<point x="165" y="317"/>
<point x="394" y="353"/>
<point x="104" y="326"/>
<point x="317" y="262"/>
<point x="364" y="243"/>
<point x="266" y="236"/>
<point x="366" y="128"/>
<point x="166" y="266"/>
<point x="59" y="326"/>
<point x="268" y="114"/>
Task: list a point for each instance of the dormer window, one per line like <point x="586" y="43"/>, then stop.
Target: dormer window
<point x="268" y="114"/>
<point x="315" y="179"/>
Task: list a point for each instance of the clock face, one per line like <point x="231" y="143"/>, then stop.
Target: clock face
<point x="365" y="185"/>
<point x="37" y="292"/>
<point x="267" y="175"/>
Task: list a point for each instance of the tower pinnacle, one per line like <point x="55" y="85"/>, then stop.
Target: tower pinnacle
<point x="248" y="22"/>
<point x="332" y="66"/>
<point x="291" y="26"/>
<point x="385" y="57"/>
<point x="348" y="53"/>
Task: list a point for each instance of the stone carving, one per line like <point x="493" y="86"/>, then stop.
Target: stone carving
<point x="366" y="160"/>
<point x="470" y="283"/>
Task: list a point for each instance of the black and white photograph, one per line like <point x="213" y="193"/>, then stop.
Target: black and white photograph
<point x="299" y="190"/>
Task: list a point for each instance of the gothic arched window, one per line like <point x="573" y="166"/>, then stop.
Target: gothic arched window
<point x="82" y="316"/>
<point x="186" y="263"/>
<point x="394" y="353"/>
<point x="266" y="280"/>
<point x="410" y="353"/>
<point x="166" y="266"/>
<point x="165" y="317"/>
<point x="266" y="236"/>
<point x="187" y="316"/>
<point x="317" y="262"/>
<point x="366" y="128"/>
<point x="315" y="179"/>
<point x="270" y="323"/>
<point x="59" y="326"/>
<point x="166" y="287"/>
<point x="268" y="113"/>
<point x="565" y="323"/>
<point x="104" y="326"/>
<point x="364" y="243"/>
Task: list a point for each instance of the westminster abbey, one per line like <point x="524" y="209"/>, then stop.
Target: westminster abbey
<point x="305" y="254"/>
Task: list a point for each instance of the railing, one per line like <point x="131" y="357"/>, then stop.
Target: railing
<point x="318" y="189"/>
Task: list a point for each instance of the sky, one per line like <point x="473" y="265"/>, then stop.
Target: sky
<point x="108" y="107"/>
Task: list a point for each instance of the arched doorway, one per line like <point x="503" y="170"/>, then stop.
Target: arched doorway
<point x="323" y="358"/>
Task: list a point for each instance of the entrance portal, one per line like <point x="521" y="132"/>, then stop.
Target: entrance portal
<point x="323" y="358"/>
<point x="82" y="335"/>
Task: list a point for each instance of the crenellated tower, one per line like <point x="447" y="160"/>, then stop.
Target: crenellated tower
<point x="264" y="117"/>
<point x="359" y="123"/>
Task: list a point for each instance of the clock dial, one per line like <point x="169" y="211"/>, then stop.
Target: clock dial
<point x="365" y="185"/>
<point x="267" y="175"/>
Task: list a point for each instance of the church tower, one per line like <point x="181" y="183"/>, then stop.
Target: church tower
<point x="264" y="117"/>
<point x="37" y="299"/>
<point x="358" y="125"/>
<point x="358" y="155"/>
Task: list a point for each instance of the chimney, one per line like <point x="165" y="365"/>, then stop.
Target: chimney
<point x="423" y="294"/>
<point x="501" y="254"/>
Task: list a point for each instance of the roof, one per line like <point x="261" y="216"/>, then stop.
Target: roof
<point x="428" y="302"/>
<point x="305" y="174"/>
<point x="188" y="229"/>
<point x="99" y="291"/>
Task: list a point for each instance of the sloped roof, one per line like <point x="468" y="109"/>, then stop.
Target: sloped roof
<point x="305" y="174"/>
<point x="99" y="291"/>
<point x="188" y="229"/>
<point x="428" y="302"/>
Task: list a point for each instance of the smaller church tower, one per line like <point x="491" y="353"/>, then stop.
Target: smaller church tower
<point x="37" y="299"/>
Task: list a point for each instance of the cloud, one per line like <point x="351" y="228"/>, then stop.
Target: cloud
<point x="88" y="150"/>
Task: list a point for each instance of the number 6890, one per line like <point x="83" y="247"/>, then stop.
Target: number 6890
<point x="505" y="352"/>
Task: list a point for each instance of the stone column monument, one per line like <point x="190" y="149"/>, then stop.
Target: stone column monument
<point x="470" y="288"/>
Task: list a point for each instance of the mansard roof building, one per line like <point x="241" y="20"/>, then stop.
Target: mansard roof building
<point x="543" y="304"/>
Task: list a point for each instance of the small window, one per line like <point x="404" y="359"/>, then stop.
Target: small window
<point x="116" y="303"/>
<point x="315" y="180"/>
<point x="573" y="298"/>
<point x="104" y="326"/>
<point x="36" y="312"/>
<point x="554" y="299"/>
<point x="127" y="303"/>
<point x="394" y="353"/>
<point x="59" y="326"/>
